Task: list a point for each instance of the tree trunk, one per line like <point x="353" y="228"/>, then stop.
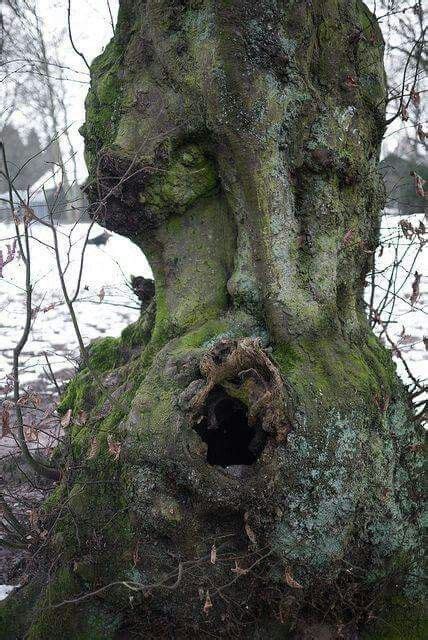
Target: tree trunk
<point x="249" y="466"/>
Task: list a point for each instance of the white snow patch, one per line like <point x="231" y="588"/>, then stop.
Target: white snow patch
<point x="5" y="589"/>
<point x="407" y="323"/>
<point x="106" y="269"/>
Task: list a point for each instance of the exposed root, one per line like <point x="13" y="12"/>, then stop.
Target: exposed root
<point x="244" y="369"/>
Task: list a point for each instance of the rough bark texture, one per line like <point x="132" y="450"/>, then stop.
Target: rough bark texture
<point x="237" y="143"/>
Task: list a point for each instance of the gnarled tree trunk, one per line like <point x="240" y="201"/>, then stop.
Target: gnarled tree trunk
<point x="249" y="466"/>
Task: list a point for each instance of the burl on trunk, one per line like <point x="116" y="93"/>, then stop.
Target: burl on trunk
<point x="248" y="465"/>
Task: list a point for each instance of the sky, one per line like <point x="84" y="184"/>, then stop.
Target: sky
<point x="91" y="30"/>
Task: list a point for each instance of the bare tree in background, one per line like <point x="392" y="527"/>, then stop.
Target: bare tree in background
<point x="404" y="27"/>
<point x="405" y="49"/>
<point x="35" y="81"/>
<point x="397" y="283"/>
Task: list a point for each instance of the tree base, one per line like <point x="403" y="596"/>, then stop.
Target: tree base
<point x="147" y="528"/>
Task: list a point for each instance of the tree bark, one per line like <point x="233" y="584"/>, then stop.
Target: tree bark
<point x="251" y="468"/>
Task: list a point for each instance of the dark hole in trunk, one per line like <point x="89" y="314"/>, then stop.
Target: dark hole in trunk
<point x="225" y="429"/>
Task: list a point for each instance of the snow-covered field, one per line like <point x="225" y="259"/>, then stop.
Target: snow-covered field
<point x="106" y="304"/>
<point x="406" y="323"/>
<point x="5" y="589"/>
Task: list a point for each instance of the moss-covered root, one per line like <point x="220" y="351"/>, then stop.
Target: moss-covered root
<point x="399" y="620"/>
<point x="31" y="613"/>
<point x="17" y="610"/>
<point x="337" y="491"/>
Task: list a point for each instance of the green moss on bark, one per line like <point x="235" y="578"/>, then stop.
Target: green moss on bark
<point x="400" y="620"/>
<point x="92" y="624"/>
<point x="189" y="176"/>
<point x="252" y="158"/>
<point x="16" y="612"/>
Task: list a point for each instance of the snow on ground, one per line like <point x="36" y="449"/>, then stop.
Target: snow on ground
<point x="5" y="589"/>
<point x="106" y="272"/>
<point x="406" y="323"/>
<point x="105" y="305"/>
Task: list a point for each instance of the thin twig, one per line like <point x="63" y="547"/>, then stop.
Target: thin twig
<point x="79" y="53"/>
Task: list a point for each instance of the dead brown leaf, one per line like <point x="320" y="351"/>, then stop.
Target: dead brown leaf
<point x="250" y="533"/>
<point x="421" y="133"/>
<point x="213" y="555"/>
<point x="301" y="240"/>
<point x="66" y="419"/>
<point x="114" y="448"/>
<point x="81" y="418"/>
<point x="407" y="228"/>
<point x="33" y="518"/>
<point x="382" y="402"/>
<point x="348" y="237"/>
<point x="248" y="530"/>
<point x="415" y="97"/>
<point x="208" y="603"/>
<point x="415" y="288"/>
<point x="406" y="339"/>
<point x="11" y="253"/>
<point x="239" y="570"/>
<point x="421" y="229"/>
<point x="28" y="214"/>
<point x="419" y="184"/>
<point x="350" y="82"/>
<point x="416" y="448"/>
<point x="31" y="433"/>
<point x="93" y="449"/>
<point x="136" y="554"/>
<point x="5" y="422"/>
<point x="291" y="581"/>
<point x="49" y="307"/>
<point x="34" y="398"/>
<point x="384" y="495"/>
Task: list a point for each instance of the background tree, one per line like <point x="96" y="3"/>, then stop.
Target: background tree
<point x="243" y="461"/>
<point x="20" y="149"/>
<point x="407" y="60"/>
<point x="35" y="81"/>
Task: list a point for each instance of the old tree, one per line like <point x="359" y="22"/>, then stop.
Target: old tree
<point x="242" y="461"/>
